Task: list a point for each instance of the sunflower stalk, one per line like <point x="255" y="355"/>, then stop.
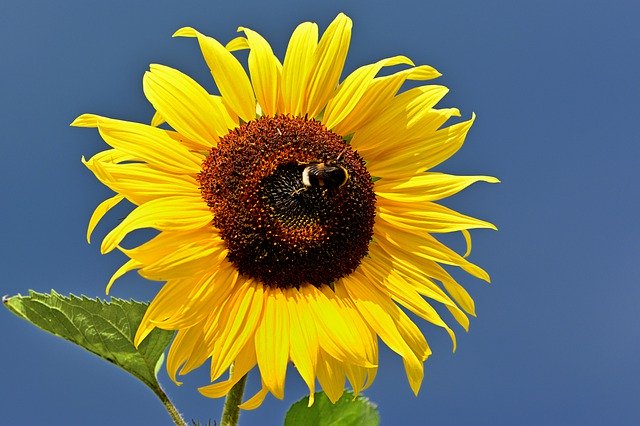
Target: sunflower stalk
<point x="231" y="410"/>
<point x="171" y="409"/>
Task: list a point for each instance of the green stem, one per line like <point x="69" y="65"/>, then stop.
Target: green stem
<point x="231" y="410"/>
<point x="171" y="409"/>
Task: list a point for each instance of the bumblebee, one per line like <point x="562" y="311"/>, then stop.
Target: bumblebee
<point x="327" y="175"/>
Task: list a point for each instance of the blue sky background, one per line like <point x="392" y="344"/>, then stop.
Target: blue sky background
<point x="555" y="86"/>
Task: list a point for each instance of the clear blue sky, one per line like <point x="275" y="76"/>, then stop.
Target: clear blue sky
<point x="555" y="87"/>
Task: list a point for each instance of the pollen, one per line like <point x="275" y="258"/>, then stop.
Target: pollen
<point x="277" y="229"/>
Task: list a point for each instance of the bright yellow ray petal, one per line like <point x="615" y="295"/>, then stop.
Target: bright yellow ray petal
<point x="331" y="376"/>
<point x="157" y="119"/>
<point x="296" y="67"/>
<point x="434" y="150"/>
<point x="130" y="265"/>
<point x="205" y="302"/>
<point x="162" y="306"/>
<point x="238" y="43"/>
<point x="111" y="156"/>
<point x="467" y="239"/>
<point x="366" y="336"/>
<point x="100" y="211"/>
<point x="184" y="312"/>
<point x="256" y="400"/>
<point x="457" y="292"/>
<point x="184" y="104"/>
<point x="265" y="72"/>
<point x="380" y="312"/>
<point x="149" y="144"/>
<point x="188" y="260"/>
<point x="185" y="346"/>
<point x="414" y="276"/>
<point x="139" y="182"/>
<point x="409" y="298"/>
<point x="240" y="321"/>
<point x="413" y="336"/>
<point x="304" y="344"/>
<point x="351" y="90"/>
<point x="338" y="335"/>
<point x="329" y="59"/>
<point x="245" y="361"/>
<point x="425" y="246"/>
<point x="167" y="242"/>
<point x="228" y="73"/>
<point x="427" y="217"/>
<point x="230" y="118"/>
<point x="389" y="130"/>
<point x="273" y="343"/>
<point x="430" y="186"/>
<point x="169" y="213"/>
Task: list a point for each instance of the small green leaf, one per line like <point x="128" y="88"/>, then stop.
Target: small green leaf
<point x="347" y="411"/>
<point x="104" y="328"/>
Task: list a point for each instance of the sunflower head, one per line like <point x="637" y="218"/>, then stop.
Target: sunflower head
<point x="283" y="221"/>
<point x="296" y="212"/>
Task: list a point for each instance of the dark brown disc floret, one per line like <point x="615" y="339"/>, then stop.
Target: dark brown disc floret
<point x="293" y="202"/>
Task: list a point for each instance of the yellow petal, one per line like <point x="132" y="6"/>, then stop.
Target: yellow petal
<point x="410" y="271"/>
<point x="86" y="120"/>
<point x="162" y="306"/>
<point x="149" y="144"/>
<point x="352" y="89"/>
<point x="240" y="320"/>
<point x="100" y="211"/>
<point x="331" y="376"/>
<point x="467" y="238"/>
<point x="185" y="346"/>
<point x="297" y="64"/>
<point x="167" y="242"/>
<point x="338" y="335"/>
<point x="169" y="213"/>
<point x="390" y="129"/>
<point x="430" y="186"/>
<point x="187" y="260"/>
<point x="265" y="72"/>
<point x="157" y="119"/>
<point x="128" y="266"/>
<point x="184" y="104"/>
<point x="379" y="312"/>
<point x="457" y="292"/>
<point x="328" y="61"/>
<point x="228" y="73"/>
<point x="256" y="400"/>
<point x="427" y="217"/>
<point x="139" y="182"/>
<point x="435" y="149"/>
<point x="238" y="43"/>
<point x="245" y="361"/>
<point x="304" y="344"/>
<point x="410" y="299"/>
<point x="427" y="247"/>
<point x="272" y="342"/>
<point x="413" y="336"/>
<point x="379" y="95"/>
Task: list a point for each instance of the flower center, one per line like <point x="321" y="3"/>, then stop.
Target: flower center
<point x="293" y="203"/>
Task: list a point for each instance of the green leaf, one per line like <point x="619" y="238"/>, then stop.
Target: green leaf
<point x="105" y="328"/>
<point x="347" y="411"/>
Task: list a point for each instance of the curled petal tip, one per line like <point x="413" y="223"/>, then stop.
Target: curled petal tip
<point x="185" y="32"/>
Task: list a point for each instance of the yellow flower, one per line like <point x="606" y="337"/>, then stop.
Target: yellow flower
<point x="295" y="212"/>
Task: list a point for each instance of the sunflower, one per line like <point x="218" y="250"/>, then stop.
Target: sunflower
<point x="295" y="212"/>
